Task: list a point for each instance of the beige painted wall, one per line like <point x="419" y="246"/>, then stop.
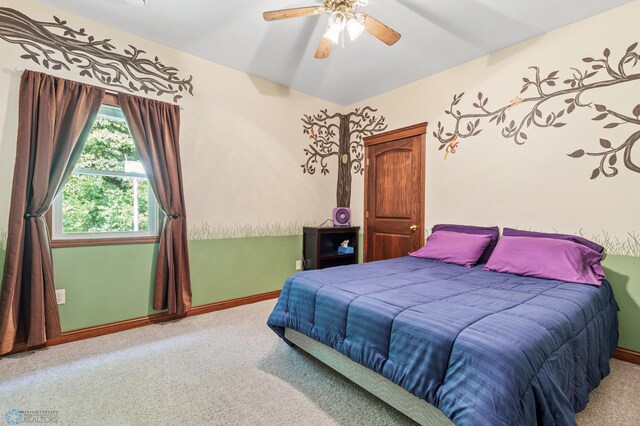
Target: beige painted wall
<point x="241" y="139"/>
<point x="493" y="181"/>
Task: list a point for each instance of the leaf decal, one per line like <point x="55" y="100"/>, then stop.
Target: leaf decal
<point x="577" y="154"/>
<point x="595" y="174"/>
<point x="605" y="143"/>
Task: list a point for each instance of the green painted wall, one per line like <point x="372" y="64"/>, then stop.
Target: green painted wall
<point x="623" y="272"/>
<point x="228" y="269"/>
<point x="114" y="283"/>
<point x="104" y="284"/>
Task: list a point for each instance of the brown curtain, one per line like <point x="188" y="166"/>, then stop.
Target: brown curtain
<point x="155" y="127"/>
<point x="55" y="118"/>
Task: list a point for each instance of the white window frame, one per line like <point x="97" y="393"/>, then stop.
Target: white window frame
<point x="111" y="112"/>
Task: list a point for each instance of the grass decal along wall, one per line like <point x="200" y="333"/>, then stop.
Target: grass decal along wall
<point x="219" y="231"/>
<point x="629" y="246"/>
<point x="541" y="91"/>
<point x="340" y="135"/>
<point x="57" y="46"/>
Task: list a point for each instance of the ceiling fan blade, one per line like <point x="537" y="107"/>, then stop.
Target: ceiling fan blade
<point x="298" y="12"/>
<point x="324" y="49"/>
<point x="380" y="30"/>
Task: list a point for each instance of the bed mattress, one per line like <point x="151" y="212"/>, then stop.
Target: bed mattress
<point x="484" y="347"/>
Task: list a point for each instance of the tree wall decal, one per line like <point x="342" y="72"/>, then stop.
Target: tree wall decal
<point x="340" y="135"/>
<point x="538" y="94"/>
<point x="57" y="46"/>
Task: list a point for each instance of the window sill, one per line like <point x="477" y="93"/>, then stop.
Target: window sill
<point x="91" y="242"/>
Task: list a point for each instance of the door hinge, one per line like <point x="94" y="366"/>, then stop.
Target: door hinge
<point x="367" y="162"/>
<point x="367" y="215"/>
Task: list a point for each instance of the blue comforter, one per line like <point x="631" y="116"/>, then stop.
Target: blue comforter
<point x="484" y="347"/>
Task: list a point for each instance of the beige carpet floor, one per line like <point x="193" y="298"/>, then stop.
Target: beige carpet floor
<point x="224" y="368"/>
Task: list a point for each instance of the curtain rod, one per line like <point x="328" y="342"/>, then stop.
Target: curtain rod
<point x="108" y="91"/>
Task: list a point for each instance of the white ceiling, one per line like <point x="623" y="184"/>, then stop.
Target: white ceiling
<point x="436" y="35"/>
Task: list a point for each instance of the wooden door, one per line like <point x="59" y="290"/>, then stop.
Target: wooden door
<point x="394" y="193"/>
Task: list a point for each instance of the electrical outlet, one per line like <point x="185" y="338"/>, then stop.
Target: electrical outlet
<point x="298" y="265"/>
<point x="61" y="297"/>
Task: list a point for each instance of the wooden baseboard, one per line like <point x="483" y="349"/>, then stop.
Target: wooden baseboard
<point x="115" y="327"/>
<point x="627" y="355"/>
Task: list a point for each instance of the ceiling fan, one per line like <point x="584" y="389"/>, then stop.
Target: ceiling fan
<point x="344" y="15"/>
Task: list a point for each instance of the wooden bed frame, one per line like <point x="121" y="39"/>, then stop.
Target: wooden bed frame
<point x="410" y="405"/>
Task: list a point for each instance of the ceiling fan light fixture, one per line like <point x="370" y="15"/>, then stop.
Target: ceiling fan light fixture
<point x="355" y="26"/>
<point x="344" y="17"/>
<point x="338" y="20"/>
<point x="333" y="34"/>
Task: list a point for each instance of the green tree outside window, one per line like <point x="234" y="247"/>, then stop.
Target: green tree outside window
<point x="108" y="191"/>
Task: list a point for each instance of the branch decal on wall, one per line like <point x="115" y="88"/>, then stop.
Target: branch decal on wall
<point x="537" y="94"/>
<point x="57" y="46"/>
<point x="340" y="135"/>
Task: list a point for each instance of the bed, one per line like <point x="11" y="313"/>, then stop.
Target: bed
<point x="483" y="347"/>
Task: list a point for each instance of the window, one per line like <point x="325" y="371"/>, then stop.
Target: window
<point x="107" y="197"/>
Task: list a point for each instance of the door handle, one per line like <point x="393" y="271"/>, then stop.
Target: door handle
<point x="413" y="228"/>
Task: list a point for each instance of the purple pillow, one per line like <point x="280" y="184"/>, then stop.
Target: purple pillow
<point x="509" y="232"/>
<point x="547" y="258"/>
<point x="454" y="247"/>
<point x="475" y="230"/>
